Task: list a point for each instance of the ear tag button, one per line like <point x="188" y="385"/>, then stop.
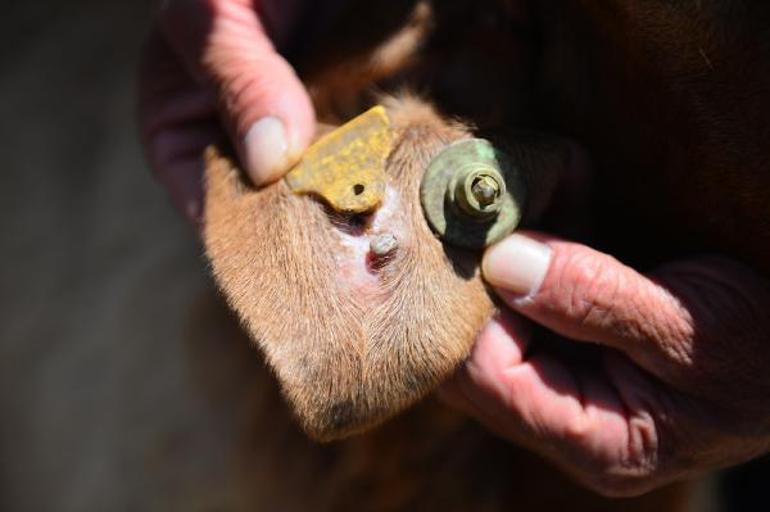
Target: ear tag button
<point x="472" y="194"/>
<point x="346" y="168"/>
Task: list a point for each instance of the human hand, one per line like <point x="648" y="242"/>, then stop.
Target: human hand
<point x="210" y="73"/>
<point x="681" y="384"/>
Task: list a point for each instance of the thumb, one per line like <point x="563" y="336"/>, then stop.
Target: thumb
<point x="589" y="296"/>
<point x="263" y="104"/>
<point x="699" y="324"/>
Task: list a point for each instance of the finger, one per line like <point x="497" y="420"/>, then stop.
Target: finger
<point x="697" y="325"/>
<point x="536" y="402"/>
<point x="177" y="158"/>
<point x="263" y="104"/>
<point x="585" y="295"/>
<point x="502" y="343"/>
<point x="578" y="419"/>
<point x="177" y="120"/>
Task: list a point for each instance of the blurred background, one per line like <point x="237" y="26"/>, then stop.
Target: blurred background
<point x="98" y="280"/>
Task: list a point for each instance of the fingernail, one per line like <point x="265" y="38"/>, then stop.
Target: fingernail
<point x="268" y="152"/>
<point x="518" y="265"/>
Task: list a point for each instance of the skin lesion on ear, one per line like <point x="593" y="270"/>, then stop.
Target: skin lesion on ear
<point x="351" y="343"/>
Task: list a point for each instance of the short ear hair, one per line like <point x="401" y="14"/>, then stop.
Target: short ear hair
<point x="346" y="359"/>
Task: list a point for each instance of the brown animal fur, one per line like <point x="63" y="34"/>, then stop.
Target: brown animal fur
<point x="347" y="356"/>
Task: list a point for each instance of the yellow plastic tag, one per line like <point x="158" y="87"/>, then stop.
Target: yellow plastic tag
<point x="346" y="167"/>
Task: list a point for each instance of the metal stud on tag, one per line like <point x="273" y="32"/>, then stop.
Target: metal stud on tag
<point x="472" y="194"/>
<point x="346" y="168"/>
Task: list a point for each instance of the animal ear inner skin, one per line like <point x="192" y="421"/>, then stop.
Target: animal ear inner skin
<point x="345" y="168"/>
<point x="472" y="194"/>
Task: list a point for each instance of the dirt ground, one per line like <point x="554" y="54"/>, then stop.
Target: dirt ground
<point x="97" y="279"/>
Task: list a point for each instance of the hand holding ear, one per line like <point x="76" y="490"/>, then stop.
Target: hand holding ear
<point x="211" y="73"/>
<point x="682" y="383"/>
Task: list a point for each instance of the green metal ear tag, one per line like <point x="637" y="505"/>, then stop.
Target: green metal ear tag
<point x="472" y="194"/>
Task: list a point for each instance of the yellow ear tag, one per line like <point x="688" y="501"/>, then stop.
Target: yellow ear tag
<point x="346" y="167"/>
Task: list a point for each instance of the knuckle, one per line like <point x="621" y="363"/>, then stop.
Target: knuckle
<point x="578" y="429"/>
<point x="243" y="93"/>
<point x="638" y="470"/>
<point x="628" y="469"/>
<point x="590" y="285"/>
<point x="643" y="443"/>
<point x="239" y="72"/>
<point x="622" y="480"/>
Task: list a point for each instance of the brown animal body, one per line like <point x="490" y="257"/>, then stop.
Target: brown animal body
<point x="656" y="92"/>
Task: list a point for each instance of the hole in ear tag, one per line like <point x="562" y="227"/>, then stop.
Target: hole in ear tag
<point x="346" y="168"/>
<point x="472" y="194"/>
